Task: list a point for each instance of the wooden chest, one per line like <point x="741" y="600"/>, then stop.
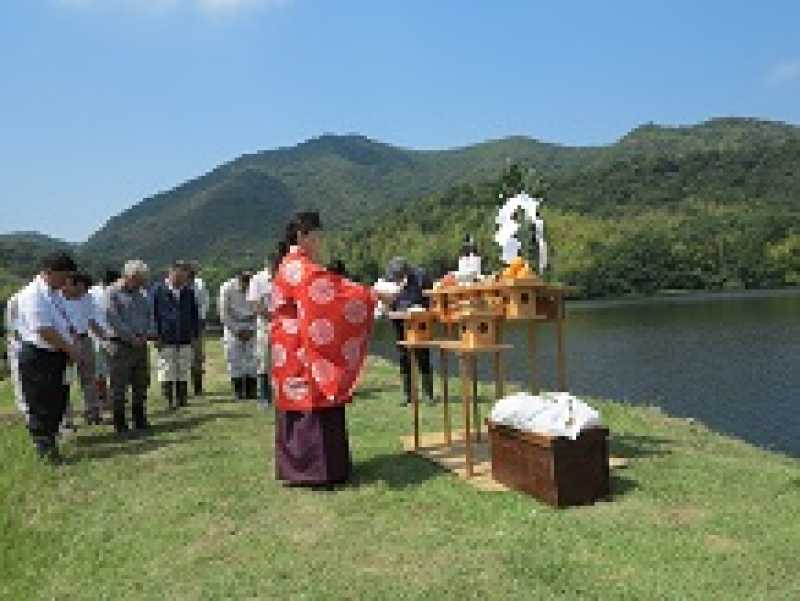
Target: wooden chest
<point x="558" y="471"/>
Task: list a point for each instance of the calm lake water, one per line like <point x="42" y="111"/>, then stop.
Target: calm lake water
<point x="731" y="361"/>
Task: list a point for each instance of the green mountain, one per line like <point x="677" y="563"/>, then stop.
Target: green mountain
<point x="378" y="198"/>
<point x="235" y="213"/>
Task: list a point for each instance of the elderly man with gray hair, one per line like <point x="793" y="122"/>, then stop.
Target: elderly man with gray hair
<point x="130" y="319"/>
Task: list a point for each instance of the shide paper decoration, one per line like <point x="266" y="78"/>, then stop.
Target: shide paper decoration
<point x="508" y="228"/>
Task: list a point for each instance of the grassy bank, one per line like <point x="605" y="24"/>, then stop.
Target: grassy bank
<point x="192" y="511"/>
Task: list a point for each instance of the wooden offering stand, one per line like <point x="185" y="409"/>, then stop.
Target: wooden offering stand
<point x="479" y="310"/>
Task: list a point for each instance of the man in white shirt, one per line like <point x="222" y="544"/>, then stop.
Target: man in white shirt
<point x="239" y="320"/>
<point x="102" y="362"/>
<point x="12" y="350"/>
<point x="203" y="299"/>
<point x="85" y="318"/>
<point x="258" y="295"/>
<point x="47" y="344"/>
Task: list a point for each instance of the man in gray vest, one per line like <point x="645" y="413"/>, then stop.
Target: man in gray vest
<point x="130" y="319"/>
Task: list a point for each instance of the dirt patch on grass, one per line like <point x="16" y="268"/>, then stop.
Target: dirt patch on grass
<point x="717" y="543"/>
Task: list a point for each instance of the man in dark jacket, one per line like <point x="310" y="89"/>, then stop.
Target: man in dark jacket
<point x="177" y="326"/>
<point x="412" y="282"/>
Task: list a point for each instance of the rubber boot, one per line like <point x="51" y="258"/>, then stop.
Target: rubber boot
<point x="238" y="388"/>
<point x="182" y="393"/>
<point x="250" y="388"/>
<point x="197" y="379"/>
<point x="168" y="390"/>
<point x="139" y="416"/>
<point x="120" y="425"/>
<point x="264" y="389"/>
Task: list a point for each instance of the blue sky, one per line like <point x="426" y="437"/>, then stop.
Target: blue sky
<point x="105" y="102"/>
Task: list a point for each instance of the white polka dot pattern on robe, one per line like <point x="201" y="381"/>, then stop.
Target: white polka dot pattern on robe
<point x="276" y="300"/>
<point x="351" y="351"/>
<point x="355" y="311"/>
<point x="296" y="389"/>
<point x="289" y="326"/>
<point x="323" y="371"/>
<point x="293" y="272"/>
<point x="278" y="355"/>
<point x="321" y="331"/>
<point x="322" y="291"/>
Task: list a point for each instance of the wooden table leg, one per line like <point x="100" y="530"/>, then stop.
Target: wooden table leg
<point x="412" y="359"/>
<point x="476" y="414"/>
<point x="532" y="357"/>
<point x="560" y="355"/>
<point x="466" y="390"/>
<point x="499" y="383"/>
<point x="445" y="396"/>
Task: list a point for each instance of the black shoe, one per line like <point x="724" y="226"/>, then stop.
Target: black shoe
<point x="168" y="391"/>
<point x="264" y="389"/>
<point x="120" y="425"/>
<point x="47" y="450"/>
<point x="250" y="388"/>
<point x="182" y="394"/>
<point x="197" y="380"/>
<point x="238" y="388"/>
<point x="140" y="417"/>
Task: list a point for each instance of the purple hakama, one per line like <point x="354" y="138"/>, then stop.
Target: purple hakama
<point x="311" y="447"/>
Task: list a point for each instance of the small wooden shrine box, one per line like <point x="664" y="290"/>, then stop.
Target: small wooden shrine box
<point x="519" y="298"/>
<point x="441" y="305"/>
<point x="419" y="326"/>
<point x="558" y="471"/>
<point x="478" y="326"/>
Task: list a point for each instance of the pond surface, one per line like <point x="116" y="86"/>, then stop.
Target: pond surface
<point x="729" y="360"/>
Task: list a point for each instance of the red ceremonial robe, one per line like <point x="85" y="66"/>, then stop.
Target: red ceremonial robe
<point x="319" y="333"/>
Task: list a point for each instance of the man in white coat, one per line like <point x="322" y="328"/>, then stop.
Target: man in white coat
<point x="239" y="321"/>
<point x="258" y="295"/>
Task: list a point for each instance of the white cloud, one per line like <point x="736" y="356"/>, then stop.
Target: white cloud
<point x="209" y="7"/>
<point x="784" y="72"/>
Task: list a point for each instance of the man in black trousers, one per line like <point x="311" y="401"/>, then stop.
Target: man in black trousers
<point x="178" y="326"/>
<point x="47" y="344"/>
<point x="412" y="282"/>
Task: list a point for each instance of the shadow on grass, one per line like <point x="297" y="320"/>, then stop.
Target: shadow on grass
<point x="395" y="470"/>
<point x="638" y="446"/>
<point x="621" y="486"/>
<point x="106" y="445"/>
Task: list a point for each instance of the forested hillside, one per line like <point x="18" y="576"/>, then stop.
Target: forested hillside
<point x="696" y="207"/>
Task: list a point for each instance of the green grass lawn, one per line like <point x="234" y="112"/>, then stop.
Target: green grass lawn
<point x="192" y="511"/>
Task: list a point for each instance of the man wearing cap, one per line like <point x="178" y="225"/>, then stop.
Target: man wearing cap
<point x="131" y="324"/>
<point x="239" y="320"/>
<point x="47" y="344"/>
<point x="177" y="325"/>
<point x="412" y="282"/>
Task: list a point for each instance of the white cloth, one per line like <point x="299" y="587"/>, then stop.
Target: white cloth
<point x="12" y="314"/>
<point x="258" y="294"/>
<point x="99" y="294"/>
<point x="12" y="350"/>
<point x="240" y="355"/>
<point x="39" y="306"/>
<point x="81" y="311"/>
<point x="235" y="312"/>
<point x="174" y="363"/>
<point x="553" y="414"/>
<point x="202" y="297"/>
